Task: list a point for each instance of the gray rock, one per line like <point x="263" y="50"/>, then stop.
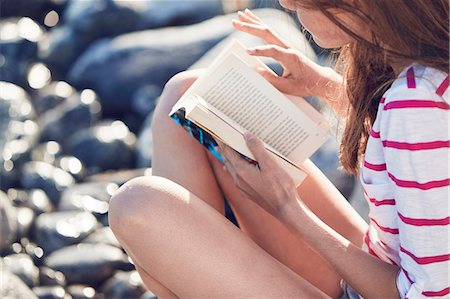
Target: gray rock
<point x="50" y="277"/>
<point x="25" y="218"/>
<point x="8" y="222"/>
<point x="41" y="175"/>
<point x="56" y="230"/>
<point x="327" y="160"/>
<point x="109" y="145"/>
<point x="103" y="235"/>
<point x="35" y="199"/>
<point x="14" y="287"/>
<point x="76" y="113"/>
<point x="22" y="266"/>
<point x="148" y="295"/>
<point x="47" y="152"/>
<point x="52" y="95"/>
<point x="88" y="263"/>
<point x="36" y="9"/>
<point x="144" y="144"/>
<point x="51" y="292"/>
<point x="143" y="58"/>
<point x="124" y="285"/>
<point x="18" y="48"/>
<point x="91" y="197"/>
<point x="82" y="292"/>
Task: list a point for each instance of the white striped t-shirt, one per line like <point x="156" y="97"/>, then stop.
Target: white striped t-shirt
<point x="406" y="182"/>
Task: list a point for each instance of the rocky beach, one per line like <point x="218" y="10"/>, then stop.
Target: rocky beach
<point x="79" y="80"/>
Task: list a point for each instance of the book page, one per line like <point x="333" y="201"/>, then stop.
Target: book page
<point x="245" y="99"/>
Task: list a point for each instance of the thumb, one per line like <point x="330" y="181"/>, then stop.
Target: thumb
<point x="257" y="148"/>
<point x="280" y="83"/>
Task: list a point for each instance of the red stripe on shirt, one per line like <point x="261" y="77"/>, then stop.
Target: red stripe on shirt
<point x="383" y="202"/>
<point x="382" y="100"/>
<point x="421" y="186"/>
<point x="374" y="134"/>
<point x="410" y="78"/>
<point x="424" y="222"/>
<point x="443" y="87"/>
<point x="416" y="104"/>
<point x="407" y="276"/>
<point x="375" y="167"/>
<point x="418" y="145"/>
<point x="393" y="231"/>
<point x="443" y="292"/>
<point x="367" y="240"/>
<point x="426" y="259"/>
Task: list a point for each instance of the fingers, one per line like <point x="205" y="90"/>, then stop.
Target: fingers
<point x="246" y="18"/>
<point x="282" y="84"/>
<point x="257" y="148"/>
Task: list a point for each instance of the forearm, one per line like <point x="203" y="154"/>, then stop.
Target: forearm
<point x="369" y="276"/>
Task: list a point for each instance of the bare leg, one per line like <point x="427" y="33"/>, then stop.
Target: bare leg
<point x="174" y="145"/>
<point x="192" y="249"/>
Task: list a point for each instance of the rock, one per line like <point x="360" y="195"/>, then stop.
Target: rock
<point x="35" y="199"/>
<point x="144" y="144"/>
<point x="56" y="230"/>
<point x="119" y="177"/>
<point x="18" y="47"/>
<point x="13" y="286"/>
<point x="88" y="263"/>
<point x="22" y="266"/>
<point x="50" y="277"/>
<point x="51" y="292"/>
<point x="52" y="95"/>
<point x="108" y="145"/>
<point x="76" y="113"/>
<point x="144" y="100"/>
<point x="15" y="153"/>
<point x="25" y="218"/>
<point x="8" y="221"/>
<point x="124" y="285"/>
<point x="15" y="108"/>
<point x="82" y="292"/>
<point x="41" y="175"/>
<point x="148" y="295"/>
<point x="327" y="160"/>
<point x="91" y="197"/>
<point x="144" y="58"/>
<point x="36" y="9"/>
<point x="47" y="152"/>
<point x="71" y="165"/>
<point x="103" y="235"/>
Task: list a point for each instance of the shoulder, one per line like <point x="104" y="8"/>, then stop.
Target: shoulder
<point x="418" y="84"/>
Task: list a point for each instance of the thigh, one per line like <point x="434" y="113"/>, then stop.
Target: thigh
<point x="193" y="250"/>
<point x="323" y="199"/>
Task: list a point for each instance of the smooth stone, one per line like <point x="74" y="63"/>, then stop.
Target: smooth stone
<point x="88" y="263"/>
<point x="25" y="218"/>
<point x="52" y="95"/>
<point x="36" y="9"/>
<point x="103" y="235"/>
<point x="144" y="100"/>
<point x="35" y="199"/>
<point x="47" y="152"/>
<point x="144" y="144"/>
<point x="78" y="112"/>
<point x="105" y="146"/>
<point x="51" y="292"/>
<point x="143" y="58"/>
<point x="119" y="177"/>
<point x="148" y="295"/>
<point x="124" y="285"/>
<point x="59" y="229"/>
<point x="327" y="160"/>
<point x="50" y="277"/>
<point x="17" y="152"/>
<point x="18" y="47"/>
<point x="91" y="197"/>
<point x="82" y="292"/>
<point x="41" y="175"/>
<point x="71" y="165"/>
<point x="8" y="222"/>
<point x="14" y="287"/>
<point x="22" y="265"/>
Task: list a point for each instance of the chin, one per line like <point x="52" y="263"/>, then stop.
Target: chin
<point x="328" y="44"/>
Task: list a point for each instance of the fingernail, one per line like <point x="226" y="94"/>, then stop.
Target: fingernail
<point x="247" y="10"/>
<point x="248" y="136"/>
<point x="251" y="50"/>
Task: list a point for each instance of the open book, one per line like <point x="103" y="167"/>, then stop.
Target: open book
<point x="231" y="98"/>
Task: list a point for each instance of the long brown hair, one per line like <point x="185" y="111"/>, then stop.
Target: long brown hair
<point x="402" y="32"/>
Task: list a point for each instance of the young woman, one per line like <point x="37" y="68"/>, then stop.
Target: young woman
<point x="308" y="242"/>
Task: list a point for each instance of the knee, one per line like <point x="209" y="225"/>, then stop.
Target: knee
<point x="172" y="92"/>
<point x="138" y="203"/>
